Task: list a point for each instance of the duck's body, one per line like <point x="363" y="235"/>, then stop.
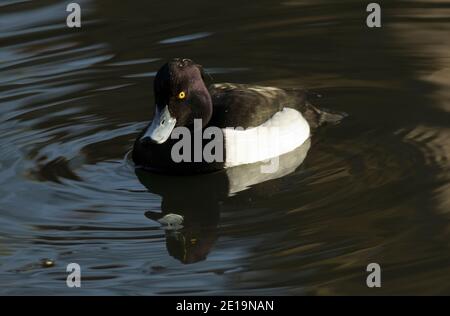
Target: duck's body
<point x="251" y="105"/>
<point x="256" y="123"/>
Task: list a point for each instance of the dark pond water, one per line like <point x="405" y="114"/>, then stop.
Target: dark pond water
<point x="375" y="188"/>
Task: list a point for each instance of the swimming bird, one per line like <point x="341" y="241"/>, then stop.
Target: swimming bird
<point x="235" y="124"/>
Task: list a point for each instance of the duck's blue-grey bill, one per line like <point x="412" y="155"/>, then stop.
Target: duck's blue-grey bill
<point x="162" y="126"/>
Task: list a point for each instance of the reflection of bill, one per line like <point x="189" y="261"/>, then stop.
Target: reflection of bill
<point x="191" y="205"/>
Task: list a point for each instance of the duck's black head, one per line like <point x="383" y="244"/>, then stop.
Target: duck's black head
<point x="180" y="96"/>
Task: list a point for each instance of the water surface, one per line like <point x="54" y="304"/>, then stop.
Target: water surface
<point x="375" y="188"/>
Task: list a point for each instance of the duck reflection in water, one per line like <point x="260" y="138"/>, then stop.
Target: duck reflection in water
<point x="191" y="205"/>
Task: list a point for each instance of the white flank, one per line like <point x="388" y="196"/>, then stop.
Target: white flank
<point x="282" y="133"/>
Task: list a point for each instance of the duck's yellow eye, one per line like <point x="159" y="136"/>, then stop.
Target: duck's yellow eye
<point x="181" y="95"/>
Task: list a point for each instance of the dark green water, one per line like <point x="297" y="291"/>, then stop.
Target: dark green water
<point x="375" y="188"/>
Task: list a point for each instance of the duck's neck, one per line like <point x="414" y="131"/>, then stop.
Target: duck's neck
<point x="204" y="106"/>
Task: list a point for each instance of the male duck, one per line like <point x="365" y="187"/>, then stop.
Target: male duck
<point x="256" y="123"/>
